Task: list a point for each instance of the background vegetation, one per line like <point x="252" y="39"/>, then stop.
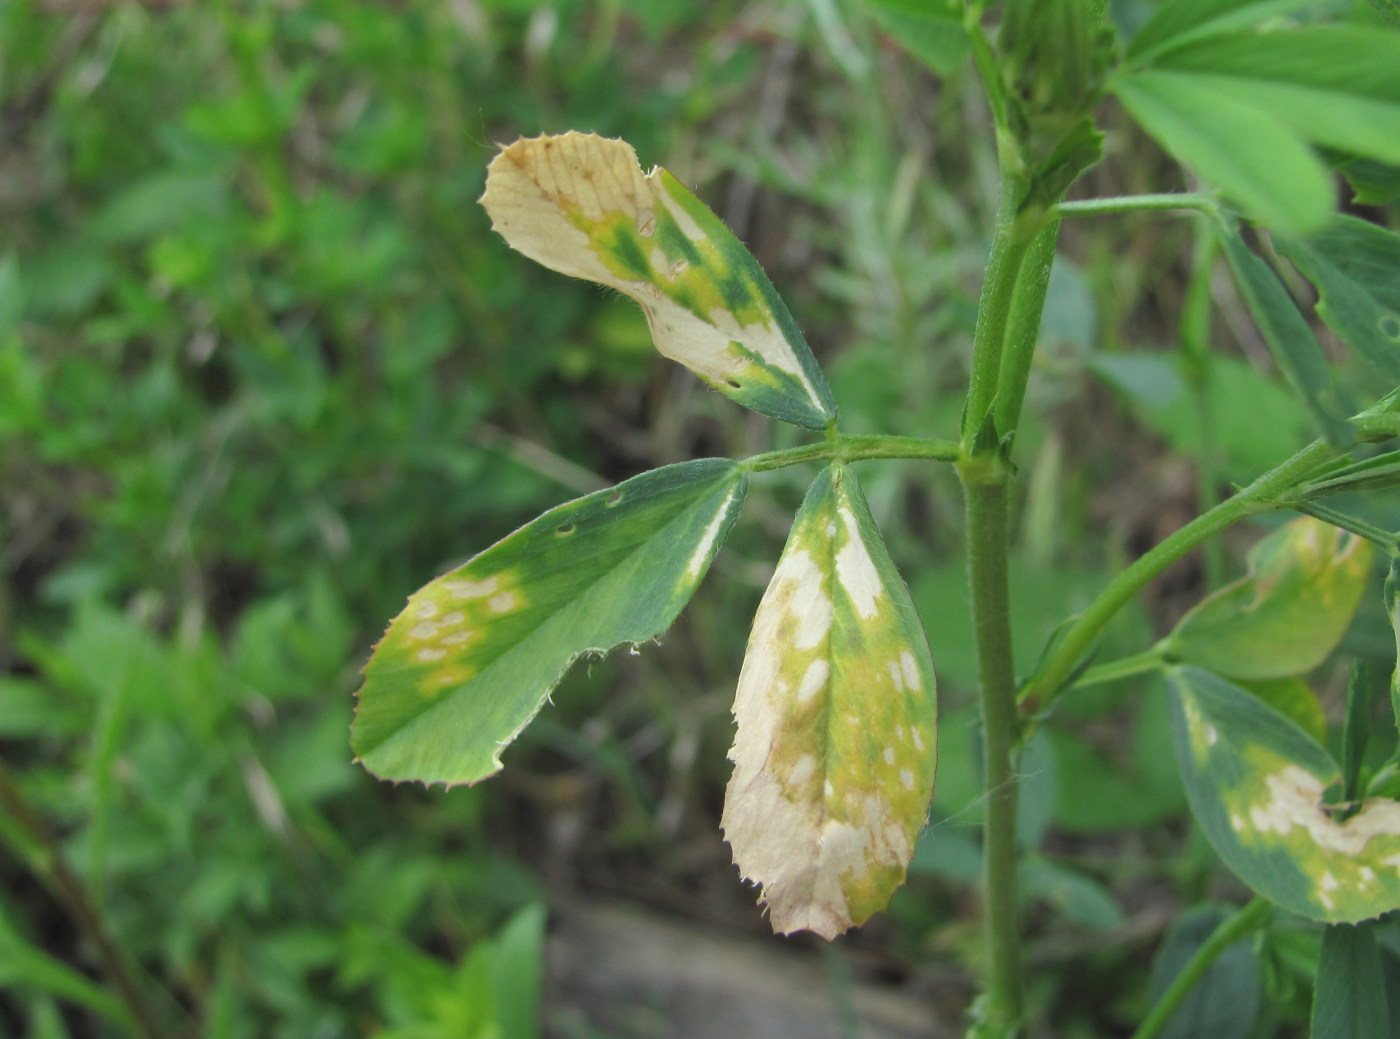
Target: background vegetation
<point x="264" y="371"/>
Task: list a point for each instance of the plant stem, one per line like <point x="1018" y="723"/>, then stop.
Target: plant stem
<point x="1248" y="919"/>
<point x="1124" y="667"/>
<point x="1047" y="683"/>
<point x="986" y="495"/>
<point x="1131" y="203"/>
<point x="53" y="867"/>
<point x="855" y="449"/>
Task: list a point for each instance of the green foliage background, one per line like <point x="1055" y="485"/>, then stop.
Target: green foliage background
<point x="264" y="371"/>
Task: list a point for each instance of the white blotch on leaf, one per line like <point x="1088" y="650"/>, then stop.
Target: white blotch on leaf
<point x="462" y="589"/>
<point x="1295" y="800"/>
<point x="425" y="630"/>
<point x="428" y="656"/>
<point x="910" y="667"/>
<point x="813" y="680"/>
<point x="856" y="570"/>
<point x="706" y="548"/>
<point x="501" y="603"/>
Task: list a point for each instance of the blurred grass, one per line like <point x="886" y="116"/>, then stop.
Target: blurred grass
<point x="264" y="370"/>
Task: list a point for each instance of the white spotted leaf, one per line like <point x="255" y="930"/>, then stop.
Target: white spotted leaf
<point x="474" y="655"/>
<point x="1258" y="785"/>
<point x="581" y="205"/>
<point x="837" y="723"/>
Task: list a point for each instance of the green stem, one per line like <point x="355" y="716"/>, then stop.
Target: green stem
<point x="855" y="449"/>
<point x="1134" y="203"/>
<point x="52" y="866"/>
<point x="1049" y="679"/>
<point x="1386" y="539"/>
<point x="1124" y="667"/>
<point x="986" y="494"/>
<point x="1248" y="919"/>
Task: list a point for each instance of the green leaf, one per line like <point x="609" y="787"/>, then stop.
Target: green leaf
<point x="474" y="655"/>
<point x="1344" y="59"/>
<point x="1294" y="347"/>
<point x="1291" y="609"/>
<point x="1225" y="1000"/>
<point x="580" y="204"/>
<point x="516" y="970"/>
<point x="1256" y="783"/>
<point x="931" y="30"/>
<point x="26" y="965"/>
<point x="1293" y="698"/>
<point x="1372" y="183"/>
<point x="1180" y="21"/>
<point x="1356" y="729"/>
<point x="1075" y="896"/>
<point x="1349" y="999"/>
<point x="1355" y="266"/>
<point x="1392" y="607"/>
<point x="837" y="720"/>
<point x="1248" y="151"/>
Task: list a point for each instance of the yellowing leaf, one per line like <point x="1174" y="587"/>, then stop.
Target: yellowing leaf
<point x="474" y="655"/>
<point x="835" y="751"/>
<point x="580" y="204"/>
<point x="1304" y="583"/>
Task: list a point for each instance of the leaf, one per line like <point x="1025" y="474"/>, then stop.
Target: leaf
<point x="931" y="31"/>
<point x="1349" y="999"/>
<point x="1256" y="783"/>
<point x="1392" y="608"/>
<point x="1345" y="59"/>
<point x="835" y="751"/>
<point x="474" y="655"/>
<point x="1291" y="609"/>
<point x="1075" y="896"/>
<point x="580" y="204"/>
<point x="1226" y="998"/>
<point x="1354" y="265"/>
<point x="1293" y="698"/>
<point x="1184" y="20"/>
<point x="1294" y="347"/>
<point x="1249" y="152"/>
<point x="1372" y="183"/>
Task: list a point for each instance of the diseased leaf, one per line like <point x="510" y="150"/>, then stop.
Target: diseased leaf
<point x="1356" y="268"/>
<point x="580" y="204"/>
<point x="835" y="751"/>
<point x="1256" y="783"/>
<point x="474" y="655"/>
<point x="1294" y="347"/>
<point x="1304" y="583"/>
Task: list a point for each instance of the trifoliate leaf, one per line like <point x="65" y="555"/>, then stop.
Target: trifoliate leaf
<point x="474" y="655"/>
<point x="1304" y="583"/>
<point x="835" y="751"/>
<point x="1257" y="782"/>
<point x="580" y="204"/>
